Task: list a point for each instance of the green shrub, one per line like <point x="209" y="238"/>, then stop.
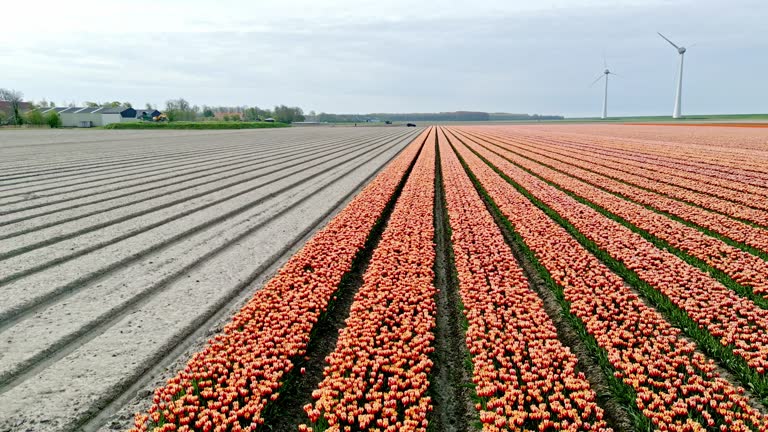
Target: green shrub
<point x="196" y="125"/>
<point x="34" y="117"/>
<point x="53" y="119"/>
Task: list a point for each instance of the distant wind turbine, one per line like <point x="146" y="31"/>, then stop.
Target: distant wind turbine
<point x="679" y="94"/>
<point x="605" y="74"/>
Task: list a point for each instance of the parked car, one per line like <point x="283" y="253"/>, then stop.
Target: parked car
<point x="411" y="125"/>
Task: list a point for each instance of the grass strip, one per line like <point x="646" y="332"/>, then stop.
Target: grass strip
<point x="196" y="125"/>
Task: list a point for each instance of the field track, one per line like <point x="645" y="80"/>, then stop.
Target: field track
<point x="529" y="277"/>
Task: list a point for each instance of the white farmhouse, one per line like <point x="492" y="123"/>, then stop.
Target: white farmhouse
<point x="96" y="116"/>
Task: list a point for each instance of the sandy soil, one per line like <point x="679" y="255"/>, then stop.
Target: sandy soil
<point x="122" y="249"/>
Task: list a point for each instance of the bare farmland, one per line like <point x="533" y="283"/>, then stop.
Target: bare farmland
<point x="118" y="251"/>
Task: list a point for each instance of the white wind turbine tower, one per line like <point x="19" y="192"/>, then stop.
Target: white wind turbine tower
<point x="605" y="74"/>
<point x="678" y="95"/>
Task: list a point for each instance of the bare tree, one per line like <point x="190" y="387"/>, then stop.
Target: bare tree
<point x="14" y="98"/>
<point x="180" y="109"/>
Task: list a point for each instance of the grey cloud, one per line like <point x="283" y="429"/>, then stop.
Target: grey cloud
<point x="521" y="62"/>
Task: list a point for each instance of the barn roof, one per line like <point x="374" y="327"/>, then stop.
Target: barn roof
<point x="117" y="110"/>
<point x="89" y="110"/>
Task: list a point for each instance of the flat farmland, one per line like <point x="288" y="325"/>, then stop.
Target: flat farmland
<point x="575" y="277"/>
<point x="118" y="250"/>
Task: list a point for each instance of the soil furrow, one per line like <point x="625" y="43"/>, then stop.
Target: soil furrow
<point x="93" y="191"/>
<point x="168" y="149"/>
<point x="104" y="387"/>
<point x="102" y="211"/>
<point x="168" y="156"/>
<point x="12" y="313"/>
<point x="27" y="264"/>
<point x="33" y="191"/>
<point x="56" y="174"/>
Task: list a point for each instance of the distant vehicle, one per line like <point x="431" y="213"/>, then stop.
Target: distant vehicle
<point x="388" y="122"/>
<point x="269" y="120"/>
<point x="411" y="125"/>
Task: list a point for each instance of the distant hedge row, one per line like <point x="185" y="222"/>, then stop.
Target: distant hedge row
<point x="195" y="125"/>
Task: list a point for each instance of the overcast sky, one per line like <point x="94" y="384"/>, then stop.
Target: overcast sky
<point x="391" y="56"/>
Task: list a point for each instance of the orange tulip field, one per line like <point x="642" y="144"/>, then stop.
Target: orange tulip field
<point x="469" y="277"/>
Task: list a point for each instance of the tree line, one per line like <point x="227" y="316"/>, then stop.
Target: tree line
<point x="20" y="113"/>
<point x="181" y="110"/>
<point x="430" y="117"/>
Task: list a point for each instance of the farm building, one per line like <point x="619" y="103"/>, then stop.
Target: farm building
<point x="118" y="115"/>
<point x="94" y="116"/>
<point x="147" y="114"/>
<point x="80" y="117"/>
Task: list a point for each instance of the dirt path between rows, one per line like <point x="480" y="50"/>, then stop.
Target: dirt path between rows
<point x="450" y="378"/>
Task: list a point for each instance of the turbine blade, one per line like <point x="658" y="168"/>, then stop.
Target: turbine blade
<point x="598" y="79"/>
<point x="612" y="73"/>
<point x="670" y="42"/>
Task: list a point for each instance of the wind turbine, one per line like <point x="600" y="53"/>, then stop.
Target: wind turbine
<point x="678" y="95"/>
<point x="605" y="74"/>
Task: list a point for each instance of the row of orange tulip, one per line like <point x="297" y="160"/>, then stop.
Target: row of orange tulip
<point x="741" y="165"/>
<point x="743" y="267"/>
<point x="703" y="170"/>
<point x="524" y="377"/>
<point x="230" y="382"/>
<point x="637" y="167"/>
<point x="721" y="224"/>
<point x="677" y="388"/>
<point x="735" y="321"/>
<point x="684" y="194"/>
<point x="377" y="376"/>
